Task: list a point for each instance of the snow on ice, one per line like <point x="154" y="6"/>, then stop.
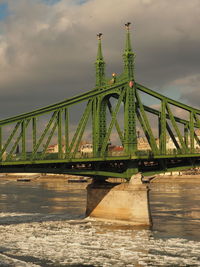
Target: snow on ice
<point x="58" y="240"/>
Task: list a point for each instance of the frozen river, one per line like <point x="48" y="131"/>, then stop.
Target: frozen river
<point x="42" y="224"/>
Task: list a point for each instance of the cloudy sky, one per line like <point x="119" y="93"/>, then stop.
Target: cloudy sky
<point x="48" y="48"/>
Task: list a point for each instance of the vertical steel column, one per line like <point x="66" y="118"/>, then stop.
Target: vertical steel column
<point x="1" y="139"/>
<point x="34" y="132"/>
<point x="163" y="131"/>
<point x="66" y="130"/>
<point x="59" y="118"/>
<point x="94" y="127"/>
<point x="130" y="136"/>
<point x="186" y="136"/>
<point x="191" y="126"/>
<point x="23" y="132"/>
<point x="100" y="64"/>
<point x="101" y="123"/>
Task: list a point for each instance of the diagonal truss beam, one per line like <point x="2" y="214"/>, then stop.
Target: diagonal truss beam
<point x="10" y="138"/>
<point x="49" y="139"/>
<point x="143" y="125"/>
<point x="148" y="129"/>
<point x="116" y="124"/>
<point x="80" y="125"/>
<point x="183" y="146"/>
<point x="162" y="129"/>
<point x="113" y="121"/>
<point x="172" y="137"/>
<point x="44" y="134"/>
<point x="82" y="128"/>
<point x="9" y="156"/>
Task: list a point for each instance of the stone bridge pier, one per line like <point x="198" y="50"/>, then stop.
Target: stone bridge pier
<point x="125" y="202"/>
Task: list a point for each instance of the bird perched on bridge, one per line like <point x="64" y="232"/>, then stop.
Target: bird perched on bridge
<point x="99" y="35"/>
<point x="127" y="25"/>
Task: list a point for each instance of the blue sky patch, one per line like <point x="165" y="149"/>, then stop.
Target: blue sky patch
<point x="4" y="12"/>
<point x="51" y="2"/>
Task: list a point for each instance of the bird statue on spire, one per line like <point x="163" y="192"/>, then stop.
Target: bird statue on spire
<point x="127" y="25"/>
<point x="99" y="35"/>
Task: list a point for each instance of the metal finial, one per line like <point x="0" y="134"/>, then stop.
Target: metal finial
<point x="127" y="25"/>
<point x="99" y="35"/>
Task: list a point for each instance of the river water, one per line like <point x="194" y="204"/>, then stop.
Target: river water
<point x="42" y="224"/>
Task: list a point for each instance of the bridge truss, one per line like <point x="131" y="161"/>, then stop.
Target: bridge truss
<point x="117" y="108"/>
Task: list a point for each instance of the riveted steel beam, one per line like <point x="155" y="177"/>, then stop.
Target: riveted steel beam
<point x="80" y="125"/>
<point x="152" y="141"/>
<point x="121" y="137"/>
<point x="183" y="146"/>
<point x="81" y="130"/>
<point x="44" y="134"/>
<point x="113" y="121"/>
<point x="9" y="139"/>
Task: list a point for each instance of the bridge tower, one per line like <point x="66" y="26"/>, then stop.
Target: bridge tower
<point x="123" y="202"/>
<point x="99" y="103"/>
<point x="130" y="137"/>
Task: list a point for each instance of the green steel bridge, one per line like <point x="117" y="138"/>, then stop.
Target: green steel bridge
<point x="118" y="110"/>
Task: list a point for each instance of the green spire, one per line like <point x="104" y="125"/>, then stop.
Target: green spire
<point x="99" y="52"/>
<point x="128" y="38"/>
<point x="100" y="64"/>
<point x="128" y="55"/>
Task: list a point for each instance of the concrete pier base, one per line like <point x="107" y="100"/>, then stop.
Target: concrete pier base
<point x="127" y="202"/>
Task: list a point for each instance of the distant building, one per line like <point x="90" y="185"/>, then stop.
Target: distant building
<point x="86" y="149"/>
<point x="54" y="148"/>
<point x="142" y="144"/>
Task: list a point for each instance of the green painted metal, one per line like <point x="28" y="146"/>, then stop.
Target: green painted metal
<point x="0" y="140"/>
<point x="116" y="124"/>
<point x="94" y="127"/>
<point x="183" y="146"/>
<point x="113" y="121"/>
<point x="60" y="140"/>
<point x="32" y="136"/>
<point x="20" y="137"/>
<point x="100" y="64"/>
<point x="101" y="119"/>
<point x="34" y="132"/>
<point x="66" y="130"/>
<point x="9" y="139"/>
<point x="191" y="126"/>
<point x="82" y="128"/>
<point x="186" y="135"/>
<point x="79" y="130"/>
<point x="147" y="129"/>
<point x="130" y="137"/>
<point x="42" y="156"/>
<point x="44" y="134"/>
<point x="173" y="137"/>
<point x="163" y="129"/>
<point x="23" y="134"/>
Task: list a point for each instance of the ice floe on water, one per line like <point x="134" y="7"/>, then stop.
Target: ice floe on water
<point x="57" y="241"/>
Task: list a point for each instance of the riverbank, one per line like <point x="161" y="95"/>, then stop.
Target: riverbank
<point x="177" y="179"/>
<point x="40" y="177"/>
<point x="186" y="177"/>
